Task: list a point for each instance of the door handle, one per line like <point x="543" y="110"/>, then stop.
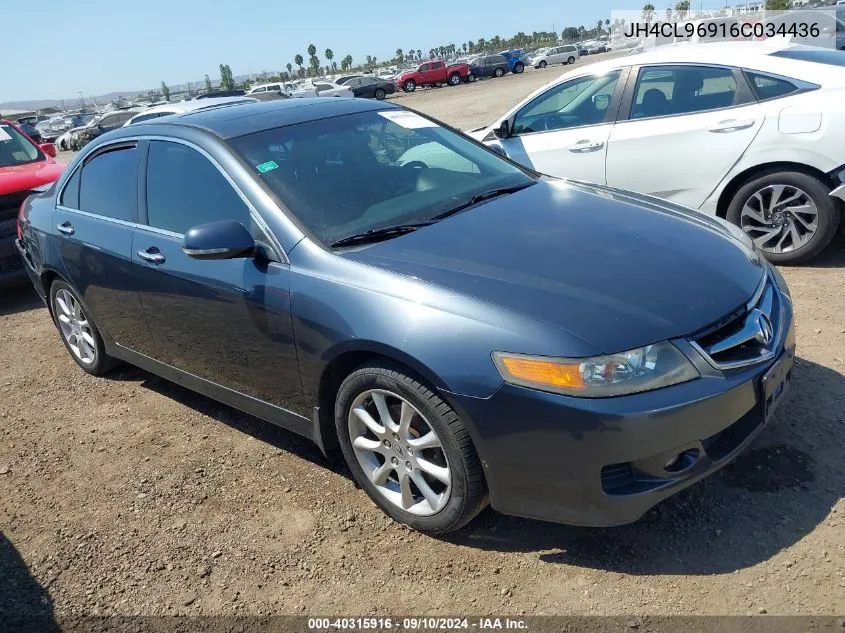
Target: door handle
<point x="66" y="227"/>
<point x="731" y="125"/>
<point x="153" y="257"/>
<point x="582" y="147"/>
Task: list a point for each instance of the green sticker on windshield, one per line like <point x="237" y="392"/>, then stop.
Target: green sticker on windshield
<point x="270" y="165"/>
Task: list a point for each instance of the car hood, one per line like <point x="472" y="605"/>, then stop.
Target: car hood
<point x="29" y="176"/>
<point x="616" y="270"/>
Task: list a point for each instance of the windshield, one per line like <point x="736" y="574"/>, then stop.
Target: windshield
<point x="351" y="174"/>
<point x="813" y="54"/>
<point x="15" y="149"/>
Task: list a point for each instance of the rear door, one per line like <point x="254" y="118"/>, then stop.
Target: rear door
<point x="95" y="220"/>
<point x="692" y="122"/>
<point x="563" y="132"/>
<point x="226" y="321"/>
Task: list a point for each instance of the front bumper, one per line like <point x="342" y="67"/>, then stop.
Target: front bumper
<point x="602" y="462"/>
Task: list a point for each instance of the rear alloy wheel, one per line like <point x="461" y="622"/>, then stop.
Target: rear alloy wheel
<point x="498" y="72"/>
<point x="518" y="67"/>
<point x="380" y="94"/>
<point x="454" y="79"/>
<point x="78" y="331"/>
<point x="409" y="86"/>
<point x="408" y="450"/>
<point x="542" y="64"/>
<point x="789" y="215"/>
<point x="571" y="60"/>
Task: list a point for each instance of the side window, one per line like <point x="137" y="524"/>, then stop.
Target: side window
<point x="425" y="68"/>
<point x="582" y="101"/>
<point x="185" y="189"/>
<point x="108" y="184"/>
<point x="768" y="87"/>
<point x="437" y="65"/>
<point x="664" y="90"/>
<point x="70" y="195"/>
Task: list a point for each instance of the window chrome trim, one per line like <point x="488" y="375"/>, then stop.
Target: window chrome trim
<point x="95" y="216"/>
<point x="253" y="212"/>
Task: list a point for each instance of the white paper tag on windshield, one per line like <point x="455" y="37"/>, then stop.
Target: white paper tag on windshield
<point x="4" y="135"/>
<point x="410" y="120"/>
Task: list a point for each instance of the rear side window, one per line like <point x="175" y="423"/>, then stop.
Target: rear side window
<point x="108" y="184"/>
<point x="70" y="195"/>
<point x="184" y="189"/>
<point x="768" y="87"/>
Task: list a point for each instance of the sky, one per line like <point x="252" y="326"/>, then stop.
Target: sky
<point x="112" y="46"/>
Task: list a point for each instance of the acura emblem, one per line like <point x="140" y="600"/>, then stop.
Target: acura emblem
<point x="765" y="332"/>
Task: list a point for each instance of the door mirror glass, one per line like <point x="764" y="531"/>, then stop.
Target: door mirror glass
<point x="601" y="101"/>
<point x="498" y="149"/>
<point x="502" y="131"/>
<point x="225" y="239"/>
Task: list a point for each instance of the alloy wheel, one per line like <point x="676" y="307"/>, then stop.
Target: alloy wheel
<point x="399" y="452"/>
<point x="75" y="327"/>
<point x="780" y="218"/>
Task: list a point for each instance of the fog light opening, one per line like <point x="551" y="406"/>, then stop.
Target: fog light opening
<point x="682" y="461"/>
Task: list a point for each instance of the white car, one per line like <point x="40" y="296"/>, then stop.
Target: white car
<point x="284" y="88"/>
<point x="748" y="131"/>
<point x="180" y="107"/>
<point x="556" y="55"/>
<point x="324" y="89"/>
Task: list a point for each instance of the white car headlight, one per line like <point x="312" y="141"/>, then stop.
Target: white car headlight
<point x="642" y="369"/>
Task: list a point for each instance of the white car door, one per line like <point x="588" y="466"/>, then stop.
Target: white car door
<point x="686" y="126"/>
<point x="563" y="132"/>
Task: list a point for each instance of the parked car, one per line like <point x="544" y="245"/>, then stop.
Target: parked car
<point x="108" y="122"/>
<point x="556" y="55"/>
<point x="181" y="107"/>
<point x="235" y="92"/>
<point x="323" y="89"/>
<point x="343" y="79"/>
<point x="489" y="66"/>
<point x="433" y="327"/>
<point x="371" y="87"/>
<point x="725" y="128"/>
<point x="24" y="167"/>
<point x="31" y="131"/>
<point x="64" y="141"/>
<point x="517" y="59"/>
<point x="432" y="73"/>
<point x="281" y="88"/>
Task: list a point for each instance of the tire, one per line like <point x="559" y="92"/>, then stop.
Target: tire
<point x="456" y="503"/>
<point x="498" y="72"/>
<point x="542" y="64"/>
<point x="518" y="68"/>
<point x="571" y="60"/>
<point x="775" y="185"/>
<point x="454" y="79"/>
<point x="409" y="86"/>
<point x="73" y="322"/>
<point x="471" y="78"/>
<point x="380" y="94"/>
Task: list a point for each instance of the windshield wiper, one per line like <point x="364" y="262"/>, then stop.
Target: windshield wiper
<point x="481" y="197"/>
<point x="376" y="235"/>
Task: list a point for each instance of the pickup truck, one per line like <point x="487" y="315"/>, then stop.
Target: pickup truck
<point x="433" y="73"/>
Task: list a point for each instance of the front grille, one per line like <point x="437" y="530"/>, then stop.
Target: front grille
<point x="8" y="228"/>
<point x="616" y="476"/>
<point x="746" y="336"/>
<point x="10" y="264"/>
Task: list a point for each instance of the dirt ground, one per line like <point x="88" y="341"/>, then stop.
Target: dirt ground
<point x="130" y="495"/>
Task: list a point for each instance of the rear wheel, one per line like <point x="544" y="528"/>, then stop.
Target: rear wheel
<point x="454" y="79"/>
<point x="518" y="67"/>
<point x="789" y="215"/>
<point x="498" y="72"/>
<point x="408" y="450"/>
<point x="542" y="64"/>
<point x="78" y="331"/>
<point x="380" y="94"/>
<point x="409" y="86"/>
<point x="571" y="60"/>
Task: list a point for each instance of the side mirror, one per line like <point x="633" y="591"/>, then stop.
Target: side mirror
<point x="226" y="239"/>
<point x="498" y="149"/>
<point x="48" y="148"/>
<point x="503" y="131"/>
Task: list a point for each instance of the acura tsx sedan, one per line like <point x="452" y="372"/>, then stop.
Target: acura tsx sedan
<point x="463" y="334"/>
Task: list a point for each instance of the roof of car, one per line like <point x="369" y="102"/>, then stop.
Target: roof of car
<point x="187" y="106"/>
<point x="247" y="118"/>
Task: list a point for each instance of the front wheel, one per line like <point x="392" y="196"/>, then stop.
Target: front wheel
<point x="542" y="64"/>
<point x="789" y="215"/>
<point x="518" y="67"/>
<point x="78" y="331"/>
<point x="454" y="79"/>
<point x="408" y="450"/>
<point x="571" y="60"/>
<point x="498" y="72"/>
<point x="380" y="94"/>
<point x="409" y="86"/>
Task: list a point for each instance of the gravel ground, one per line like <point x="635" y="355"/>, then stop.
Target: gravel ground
<point x="129" y="495"/>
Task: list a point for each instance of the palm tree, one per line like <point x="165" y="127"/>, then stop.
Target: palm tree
<point x="330" y="57"/>
<point x="298" y="61"/>
<point x="290" y="68"/>
<point x="607" y="24"/>
<point x="466" y="45"/>
<point x="400" y="56"/>
<point x="419" y="54"/>
<point x="648" y="12"/>
<point x="598" y="26"/>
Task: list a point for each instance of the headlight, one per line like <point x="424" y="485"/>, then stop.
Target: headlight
<point x="642" y="369"/>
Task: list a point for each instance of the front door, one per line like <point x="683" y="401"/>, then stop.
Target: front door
<point x="564" y="131"/>
<point x="227" y="321"/>
<point x="687" y="127"/>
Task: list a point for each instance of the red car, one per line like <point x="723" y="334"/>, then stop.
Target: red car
<point x="433" y="73"/>
<point x="24" y="167"/>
